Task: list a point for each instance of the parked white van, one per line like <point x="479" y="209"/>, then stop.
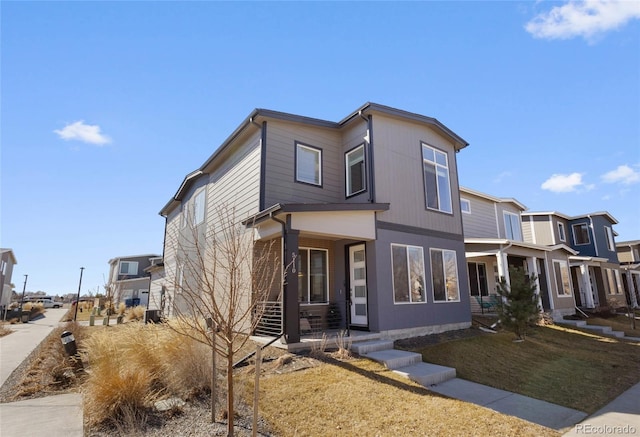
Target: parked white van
<point x="48" y="302"/>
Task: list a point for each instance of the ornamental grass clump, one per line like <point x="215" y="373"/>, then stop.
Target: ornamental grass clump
<point x="132" y="366"/>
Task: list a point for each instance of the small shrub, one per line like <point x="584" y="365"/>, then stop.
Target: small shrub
<point x="318" y="348"/>
<point x="344" y="345"/>
<point x="518" y="306"/>
<point x="135" y="314"/>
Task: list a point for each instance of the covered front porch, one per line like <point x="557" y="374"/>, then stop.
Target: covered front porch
<point x="322" y="251"/>
<point x="489" y="260"/>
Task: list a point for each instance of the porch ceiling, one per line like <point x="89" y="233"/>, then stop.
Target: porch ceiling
<point x="356" y="223"/>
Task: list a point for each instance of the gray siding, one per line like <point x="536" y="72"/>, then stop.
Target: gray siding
<point x="399" y="175"/>
<point x="280" y="184"/>
<point x="389" y="316"/>
<point x="481" y="223"/>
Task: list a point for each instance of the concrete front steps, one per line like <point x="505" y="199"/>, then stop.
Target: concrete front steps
<point x="408" y="364"/>
<point x="606" y="330"/>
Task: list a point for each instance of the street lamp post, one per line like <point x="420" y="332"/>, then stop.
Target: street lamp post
<point x="75" y="314"/>
<point x="24" y="288"/>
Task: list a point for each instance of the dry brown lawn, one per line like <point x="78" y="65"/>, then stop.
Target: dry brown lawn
<point x="361" y="397"/>
<point x="569" y="367"/>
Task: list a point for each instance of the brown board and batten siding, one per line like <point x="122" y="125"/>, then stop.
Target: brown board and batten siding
<point x="544" y="229"/>
<point x="481" y="223"/>
<point x="399" y="174"/>
<point x="280" y="183"/>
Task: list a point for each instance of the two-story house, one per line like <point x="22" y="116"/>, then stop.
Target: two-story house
<point x="7" y="261"/>
<point x="494" y="243"/>
<point x="366" y="210"/>
<point x="595" y="270"/>
<point x="128" y="281"/>
<point x="629" y="257"/>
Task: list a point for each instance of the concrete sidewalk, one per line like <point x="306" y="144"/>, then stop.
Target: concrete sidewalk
<point x="620" y="417"/>
<point x="52" y="416"/>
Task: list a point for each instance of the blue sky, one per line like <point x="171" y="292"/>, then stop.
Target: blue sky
<point x="106" y="106"/>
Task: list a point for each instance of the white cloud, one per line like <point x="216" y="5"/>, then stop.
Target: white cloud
<point x="83" y="132"/>
<point x="585" y="18"/>
<point x="560" y="183"/>
<point x="500" y="177"/>
<point x="623" y="174"/>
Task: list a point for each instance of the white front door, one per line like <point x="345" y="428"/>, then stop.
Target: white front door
<point x="358" y="283"/>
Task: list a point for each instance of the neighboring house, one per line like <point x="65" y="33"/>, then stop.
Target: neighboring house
<point x="157" y="287"/>
<point x="629" y="257"/>
<point x="7" y="261"/>
<point x="595" y="270"/>
<point x="368" y="208"/>
<point x="494" y="243"/>
<point x="128" y="280"/>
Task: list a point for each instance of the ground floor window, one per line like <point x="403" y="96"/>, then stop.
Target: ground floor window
<point x="561" y="272"/>
<point x="444" y="272"/>
<point x="613" y="278"/>
<point x="407" y="265"/>
<point x="313" y="275"/>
<point x="478" y="279"/>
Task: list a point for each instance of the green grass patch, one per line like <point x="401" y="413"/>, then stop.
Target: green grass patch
<point x="564" y="366"/>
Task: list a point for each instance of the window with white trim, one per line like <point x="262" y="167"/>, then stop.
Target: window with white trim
<point x="561" y="232"/>
<point x="562" y="278"/>
<point x="313" y="275"/>
<point x="128" y="268"/>
<point x="308" y="164"/>
<point x="199" y="202"/>
<point x="407" y="266"/>
<point x="437" y="187"/>
<point x="465" y="206"/>
<point x="610" y="242"/>
<point x="444" y="273"/>
<point x="355" y="168"/>
<point x="613" y="280"/>
<point x="512" y="226"/>
<point x="581" y="233"/>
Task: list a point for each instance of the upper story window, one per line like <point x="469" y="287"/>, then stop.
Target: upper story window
<point x="308" y="164"/>
<point x="581" y="234"/>
<point x="610" y="243"/>
<point x="199" y="207"/>
<point x="636" y="255"/>
<point x="465" y="206"/>
<point x="128" y="268"/>
<point x="561" y="233"/>
<point x="407" y="266"/>
<point x="355" y="177"/>
<point x="512" y="226"/>
<point x="437" y="187"/>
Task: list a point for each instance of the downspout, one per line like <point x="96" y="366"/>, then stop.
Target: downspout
<point x="371" y="179"/>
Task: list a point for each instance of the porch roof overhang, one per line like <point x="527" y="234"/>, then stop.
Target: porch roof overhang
<point x="493" y="246"/>
<point x="590" y="260"/>
<point x="324" y="220"/>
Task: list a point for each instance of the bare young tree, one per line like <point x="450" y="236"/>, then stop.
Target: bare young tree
<point x="220" y="279"/>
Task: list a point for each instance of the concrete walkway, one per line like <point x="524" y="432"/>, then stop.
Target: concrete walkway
<point x="620" y="417"/>
<point x="52" y="416"/>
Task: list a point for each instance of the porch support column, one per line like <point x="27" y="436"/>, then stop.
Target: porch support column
<point x="503" y="266"/>
<point x="586" y="286"/>
<point x="291" y="310"/>
<point x="533" y="268"/>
